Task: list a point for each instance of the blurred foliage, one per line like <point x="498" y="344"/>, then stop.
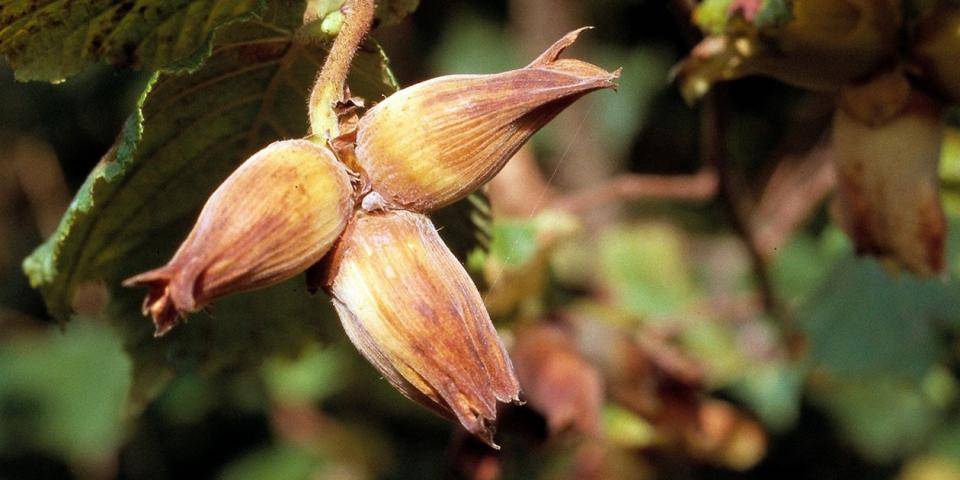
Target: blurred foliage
<point x="851" y="372"/>
<point x="64" y="394"/>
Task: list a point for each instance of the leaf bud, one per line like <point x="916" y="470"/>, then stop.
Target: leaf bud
<point x="272" y="218"/>
<point x="411" y="309"/>
<point x="435" y="142"/>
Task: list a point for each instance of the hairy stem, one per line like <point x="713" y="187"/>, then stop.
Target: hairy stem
<point x="329" y="86"/>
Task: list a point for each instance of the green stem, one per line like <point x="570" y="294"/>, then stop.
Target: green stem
<point x="329" y="86"/>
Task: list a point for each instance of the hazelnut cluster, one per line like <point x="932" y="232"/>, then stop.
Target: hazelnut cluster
<point x="357" y="209"/>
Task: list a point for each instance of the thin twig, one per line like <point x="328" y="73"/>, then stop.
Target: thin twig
<point x="701" y="186"/>
<point x="798" y="186"/>
<point x="329" y="86"/>
<point x="731" y="189"/>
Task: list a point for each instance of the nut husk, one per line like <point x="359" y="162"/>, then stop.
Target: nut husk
<point x="888" y="197"/>
<point x="411" y="309"/>
<point x="435" y="142"/>
<point x="272" y="218"/>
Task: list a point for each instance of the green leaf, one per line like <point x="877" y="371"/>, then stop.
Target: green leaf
<point x="473" y="45"/>
<point x="947" y="441"/>
<point x="313" y="376"/>
<point x="625" y="429"/>
<point x="884" y="418"/>
<point x="63" y="392"/>
<point x="646" y="268"/>
<point x="713" y="16"/>
<point x="772" y="390"/>
<point x="514" y="242"/>
<point x="54" y="39"/>
<point x="275" y="462"/>
<point x="806" y="262"/>
<point x="235" y="335"/>
<point x="774" y="13"/>
<point x="189" y="132"/>
<point x="865" y="322"/>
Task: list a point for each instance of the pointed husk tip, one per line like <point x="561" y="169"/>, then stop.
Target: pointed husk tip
<point x="433" y="143"/>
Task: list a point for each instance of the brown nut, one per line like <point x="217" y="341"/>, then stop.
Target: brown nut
<point x="271" y="219"/>
<point x="434" y="143"/>
<point x="414" y="313"/>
